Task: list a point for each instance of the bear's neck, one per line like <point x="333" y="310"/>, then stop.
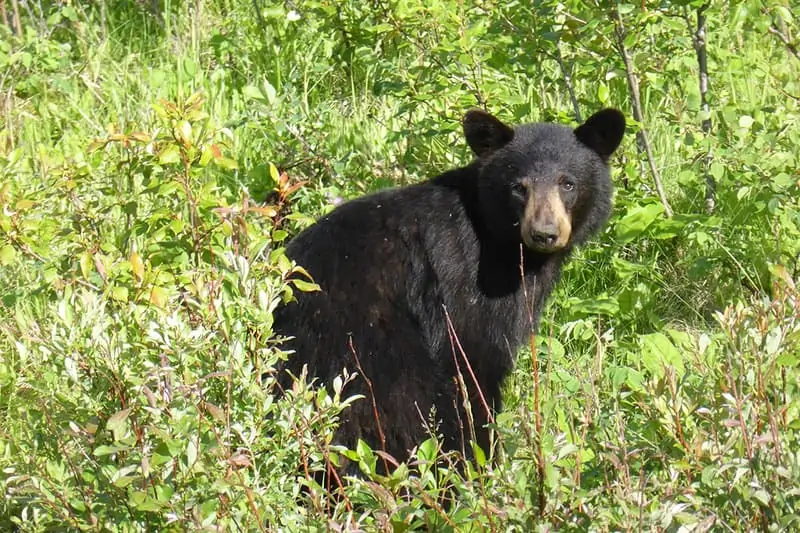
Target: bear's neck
<point x="501" y="272"/>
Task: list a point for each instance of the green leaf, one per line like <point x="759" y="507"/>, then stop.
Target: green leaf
<point x="637" y="220"/>
<point x="100" y="451"/>
<point x="773" y="340"/>
<point x="207" y="156"/>
<point x="427" y="450"/>
<point x="480" y="456"/>
<point x="762" y="497"/>
<point x="191" y="452"/>
<point x="624" y="9"/>
<point x="667" y="228"/>
<point x="189" y="66"/>
<point x="273" y="173"/>
<point x="305" y="286"/>
<point x="782" y="180"/>
<point x="143" y="502"/>
<point x="70" y="13"/>
<point x="7" y="255"/>
<point x="227" y="163"/>
<point x="54" y="18"/>
<point x="184" y="132"/>
<point x="270" y="92"/>
<point x="253" y="93"/>
<point x="169" y="155"/>
<point x="717" y="170"/>
<point x="555" y="348"/>
<point x="602" y="93"/>
<point x="117" y="423"/>
<point x="119" y="293"/>
<point x="618" y="376"/>
<point x="55" y="471"/>
<point x="658" y="352"/>
<point x="366" y="457"/>
<point x="634" y="380"/>
<point x="784" y="13"/>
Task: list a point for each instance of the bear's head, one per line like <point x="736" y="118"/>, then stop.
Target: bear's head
<point x="545" y="185"/>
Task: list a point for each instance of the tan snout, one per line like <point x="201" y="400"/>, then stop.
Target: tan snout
<point x="546" y="225"/>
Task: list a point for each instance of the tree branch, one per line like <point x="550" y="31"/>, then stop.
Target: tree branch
<point x="642" y="139"/>
<point x="790" y="46"/>
<point x="699" y="41"/>
<point x="568" y="81"/>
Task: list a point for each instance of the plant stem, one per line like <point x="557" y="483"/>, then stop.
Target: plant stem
<point x="783" y="34"/>
<point x="642" y="139"/>
<point x="699" y="41"/>
<point x="568" y="81"/>
<point x="15" y="18"/>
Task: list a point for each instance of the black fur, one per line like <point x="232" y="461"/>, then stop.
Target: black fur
<point x="390" y="264"/>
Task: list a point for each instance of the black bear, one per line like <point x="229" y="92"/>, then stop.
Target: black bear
<point x="430" y="287"/>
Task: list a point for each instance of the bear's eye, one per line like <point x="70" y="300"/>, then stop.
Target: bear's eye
<point x="567" y="184"/>
<point x="519" y="188"/>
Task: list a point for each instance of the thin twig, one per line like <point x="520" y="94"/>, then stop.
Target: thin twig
<point x="451" y="329"/>
<point x="790" y="46"/>
<point x="15" y="18"/>
<point x="381" y="436"/>
<point x="566" y="72"/>
<point x="537" y="413"/>
<point x="643" y="141"/>
<point x="3" y="13"/>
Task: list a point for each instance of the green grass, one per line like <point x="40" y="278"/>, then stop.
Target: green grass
<point x="141" y="232"/>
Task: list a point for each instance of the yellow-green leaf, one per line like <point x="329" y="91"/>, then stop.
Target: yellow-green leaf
<point x="169" y="155"/>
<point x="117" y="423"/>
<point x="185" y="132"/>
<point x="120" y="294"/>
<point x="140" y="136"/>
<point x="85" y="262"/>
<point x="658" y="352"/>
<point x="273" y="172"/>
<point x="305" y="286"/>
<point x="7" y="255"/>
<point x="158" y="297"/>
<point x="137" y="265"/>
<point x="253" y="93"/>
<point x="227" y="163"/>
<point x="207" y="156"/>
<point x="24" y="204"/>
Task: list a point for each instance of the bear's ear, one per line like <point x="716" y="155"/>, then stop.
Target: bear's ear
<point x="602" y="132"/>
<point x="485" y="133"/>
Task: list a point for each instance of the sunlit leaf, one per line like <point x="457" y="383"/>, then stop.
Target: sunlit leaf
<point x="137" y="265"/>
<point x="658" y="352"/>
<point x="117" y="423"/>
<point x="120" y="293"/>
<point x="7" y="255"/>
<point x="637" y="220"/>
<point x="159" y="297"/>
<point x="170" y="154"/>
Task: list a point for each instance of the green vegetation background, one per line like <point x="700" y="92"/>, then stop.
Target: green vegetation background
<point x="155" y="156"/>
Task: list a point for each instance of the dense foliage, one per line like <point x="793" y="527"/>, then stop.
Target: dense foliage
<point x="155" y="157"/>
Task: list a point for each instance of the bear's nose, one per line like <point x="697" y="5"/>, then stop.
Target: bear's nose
<point x="545" y="237"/>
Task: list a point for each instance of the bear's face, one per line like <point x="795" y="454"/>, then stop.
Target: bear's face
<point x="545" y="185"/>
